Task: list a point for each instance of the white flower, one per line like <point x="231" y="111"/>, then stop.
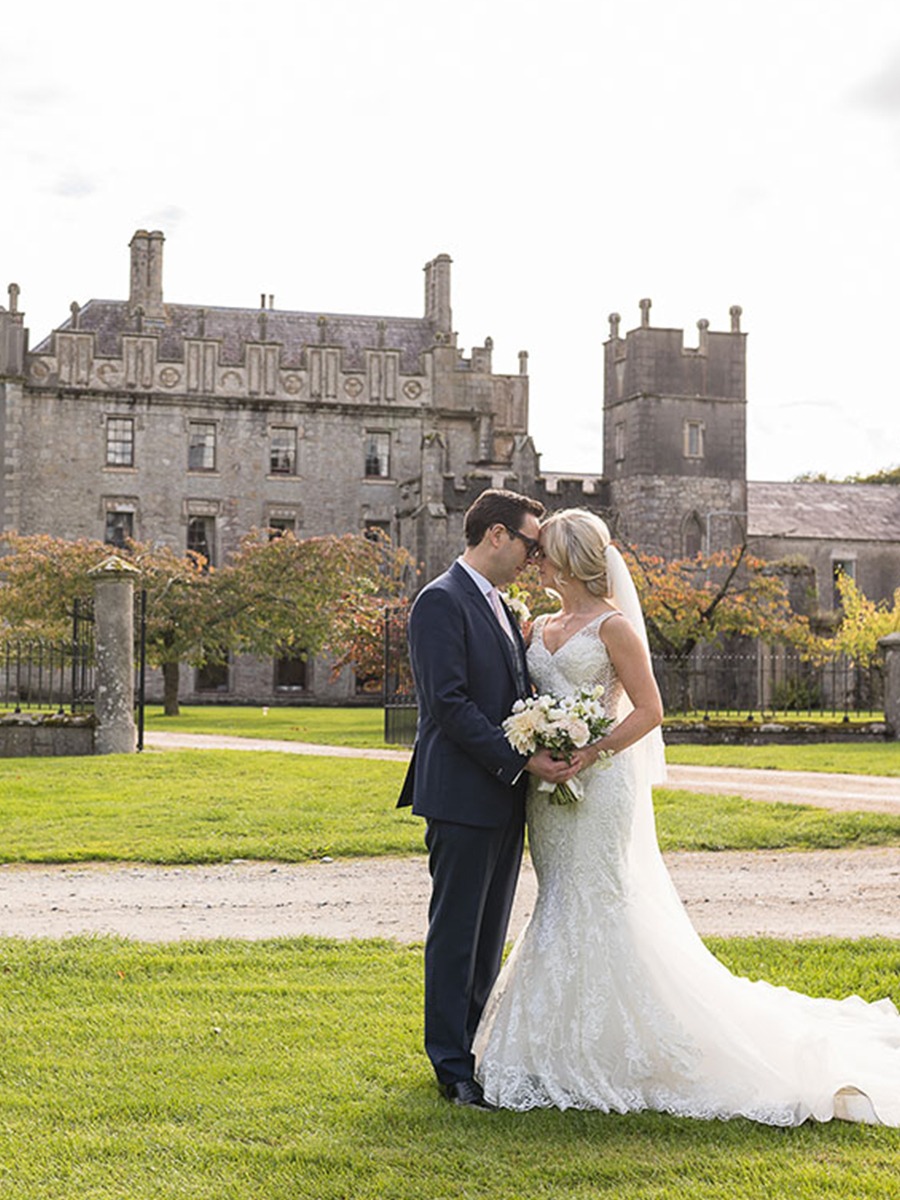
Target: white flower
<point x="517" y="607"/>
<point x="577" y="731"/>
<point x="561" y="724"/>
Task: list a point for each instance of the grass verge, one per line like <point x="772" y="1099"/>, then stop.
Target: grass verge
<point x="361" y="727"/>
<point x="842" y="758"/>
<point x="198" y="806"/>
<point x="364" y="727"/>
<point x="293" y="1069"/>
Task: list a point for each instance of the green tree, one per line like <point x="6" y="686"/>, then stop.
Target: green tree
<point x="42" y="577"/>
<point x="890" y="475"/>
<point x="863" y="622"/>
<point x="273" y="596"/>
<point x="290" y="596"/>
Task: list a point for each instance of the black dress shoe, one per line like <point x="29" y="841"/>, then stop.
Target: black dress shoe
<point x="467" y="1094"/>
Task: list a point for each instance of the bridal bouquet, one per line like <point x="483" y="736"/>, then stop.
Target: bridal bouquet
<point x="561" y="726"/>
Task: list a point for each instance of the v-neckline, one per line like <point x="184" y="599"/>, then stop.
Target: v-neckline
<point x="581" y="629"/>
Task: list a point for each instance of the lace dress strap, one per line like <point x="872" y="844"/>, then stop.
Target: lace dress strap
<point x="614" y="612"/>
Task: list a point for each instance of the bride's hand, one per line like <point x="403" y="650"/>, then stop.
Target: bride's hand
<point x="588" y="756"/>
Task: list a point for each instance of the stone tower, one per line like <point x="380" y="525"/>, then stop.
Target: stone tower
<point x="674" y="436"/>
<point x="13" y="351"/>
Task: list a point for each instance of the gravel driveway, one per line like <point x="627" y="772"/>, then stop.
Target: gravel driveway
<point x="846" y="893"/>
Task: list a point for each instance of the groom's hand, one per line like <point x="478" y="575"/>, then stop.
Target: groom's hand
<point x="554" y="770"/>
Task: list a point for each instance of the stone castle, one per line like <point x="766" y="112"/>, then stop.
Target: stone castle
<point x="191" y="425"/>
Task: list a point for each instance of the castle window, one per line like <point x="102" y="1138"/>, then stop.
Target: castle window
<point x="201" y="537"/>
<point x="120" y="442"/>
<point x="839" y="567"/>
<point x="290" y="674"/>
<point x="281" y="525"/>
<point x="693" y="439"/>
<point x="201" y="446"/>
<point x="619" y="441"/>
<point x="378" y="455"/>
<point x="119" y="527"/>
<point x="283" y="451"/>
<point x="211" y="677"/>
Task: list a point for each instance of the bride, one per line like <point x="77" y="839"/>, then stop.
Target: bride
<point x="609" y="999"/>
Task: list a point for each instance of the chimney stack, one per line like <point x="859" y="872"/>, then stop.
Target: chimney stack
<point x="146" y="272"/>
<point x="437" y="293"/>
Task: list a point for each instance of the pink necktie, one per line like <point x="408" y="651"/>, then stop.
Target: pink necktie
<point x="494" y="599"/>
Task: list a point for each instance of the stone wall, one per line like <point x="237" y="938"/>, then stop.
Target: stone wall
<point x="31" y="737"/>
<point x="876" y="563"/>
<point x="651" y="512"/>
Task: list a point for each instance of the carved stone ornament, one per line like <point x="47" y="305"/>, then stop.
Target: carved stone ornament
<point x="352" y="387"/>
<point x="231" y="381"/>
<point x="293" y="385"/>
<point x="412" y="389"/>
<point x="39" y="371"/>
<point x="169" y="377"/>
<point x="108" y="373"/>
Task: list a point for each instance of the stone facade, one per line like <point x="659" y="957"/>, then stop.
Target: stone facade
<point x="831" y="527"/>
<point x="188" y="424"/>
<point x="674" y="436"/>
<point x="191" y="425"/>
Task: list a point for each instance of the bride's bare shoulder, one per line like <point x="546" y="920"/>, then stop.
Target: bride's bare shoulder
<point x="614" y="624"/>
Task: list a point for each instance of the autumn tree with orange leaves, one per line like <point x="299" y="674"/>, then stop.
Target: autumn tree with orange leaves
<point x="273" y="596"/>
<point x="690" y="601"/>
<point x="687" y="601"/>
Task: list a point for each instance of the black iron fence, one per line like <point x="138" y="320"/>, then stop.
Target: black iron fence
<point x="399" y="688"/>
<point x="38" y="674"/>
<point x="768" y="680"/>
<point x="761" y="681"/>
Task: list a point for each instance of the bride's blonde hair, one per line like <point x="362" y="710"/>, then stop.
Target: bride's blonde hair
<point x="574" y="541"/>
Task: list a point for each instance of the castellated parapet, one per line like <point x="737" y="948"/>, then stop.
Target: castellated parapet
<point x="674" y="435"/>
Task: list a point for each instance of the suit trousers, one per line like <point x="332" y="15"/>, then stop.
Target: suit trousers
<point x="474" y="872"/>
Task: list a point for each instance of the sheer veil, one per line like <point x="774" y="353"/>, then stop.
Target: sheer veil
<point x="623" y="594"/>
<point x="657" y="905"/>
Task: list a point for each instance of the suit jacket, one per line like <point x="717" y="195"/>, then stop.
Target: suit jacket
<point x="468" y="675"/>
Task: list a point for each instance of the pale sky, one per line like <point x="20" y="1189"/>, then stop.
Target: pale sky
<point x="572" y="156"/>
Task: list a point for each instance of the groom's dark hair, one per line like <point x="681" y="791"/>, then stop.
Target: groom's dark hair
<point x="497" y="506"/>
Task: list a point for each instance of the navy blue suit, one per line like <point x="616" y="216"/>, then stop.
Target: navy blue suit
<point x="469" y="784"/>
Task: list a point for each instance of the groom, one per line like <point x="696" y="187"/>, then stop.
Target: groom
<point x="468" y="661"/>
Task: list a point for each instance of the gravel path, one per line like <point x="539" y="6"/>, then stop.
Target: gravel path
<point x="823" y="893"/>
<point x="847" y="893"/>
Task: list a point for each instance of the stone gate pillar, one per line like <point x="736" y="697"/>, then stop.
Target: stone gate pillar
<point x="891" y="647"/>
<point x="114" y="633"/>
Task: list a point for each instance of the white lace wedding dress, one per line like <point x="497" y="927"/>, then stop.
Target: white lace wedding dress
<point x="610" y="1000"/>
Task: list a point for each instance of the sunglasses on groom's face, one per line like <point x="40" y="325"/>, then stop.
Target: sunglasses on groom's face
<point x="532" y="545"/>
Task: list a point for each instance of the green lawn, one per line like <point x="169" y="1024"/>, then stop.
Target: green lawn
<point x="843" y="758"/>
<point x="294" y="1069"/>
<point x="333" y="726"/>
<point x="364" y="727"/>
<point x="197" y="806"/>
